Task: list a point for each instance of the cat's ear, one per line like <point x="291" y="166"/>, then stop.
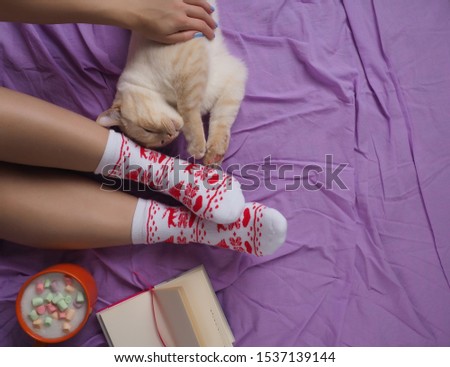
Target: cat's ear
<point x="110" y="117"/>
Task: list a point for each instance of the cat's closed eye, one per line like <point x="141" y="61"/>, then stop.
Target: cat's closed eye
<point x="150" y="131"/>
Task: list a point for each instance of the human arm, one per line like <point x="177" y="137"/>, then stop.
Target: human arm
<point x="166" y="21"/>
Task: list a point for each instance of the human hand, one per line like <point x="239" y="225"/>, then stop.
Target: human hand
<point x="168" y="21"/>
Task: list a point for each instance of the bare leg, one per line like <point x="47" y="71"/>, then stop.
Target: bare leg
<point x="35" y="132"/>
<point x="62" y="210"/>
<point x="54" y="209"/>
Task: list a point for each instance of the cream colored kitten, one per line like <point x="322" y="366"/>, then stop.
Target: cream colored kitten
<point x="166" y="89"/>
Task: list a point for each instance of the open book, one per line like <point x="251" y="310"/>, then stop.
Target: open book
<point x="184" y="312"/>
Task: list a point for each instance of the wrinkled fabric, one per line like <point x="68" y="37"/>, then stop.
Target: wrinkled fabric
<point x="364" y="81"/>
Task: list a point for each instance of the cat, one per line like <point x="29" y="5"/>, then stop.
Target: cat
<point x="165" y="90"/>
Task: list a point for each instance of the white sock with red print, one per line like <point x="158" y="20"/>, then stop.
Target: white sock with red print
<point x="209" y="193"/>
<point x="259" y="230"/>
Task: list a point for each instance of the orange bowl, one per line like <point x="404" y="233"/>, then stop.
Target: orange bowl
<point x="82" y="276"/>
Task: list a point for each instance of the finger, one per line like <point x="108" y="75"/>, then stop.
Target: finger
<point x="179" y="37"/>
<point x="200" y="13"/>
<point x="199" y="26"/>
<point x="201" y="3"/>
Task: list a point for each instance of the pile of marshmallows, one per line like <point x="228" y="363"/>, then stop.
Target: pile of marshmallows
<point x="56" y="301"/>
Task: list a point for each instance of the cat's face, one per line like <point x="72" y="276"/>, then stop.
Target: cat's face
<point x="151" y="122"/>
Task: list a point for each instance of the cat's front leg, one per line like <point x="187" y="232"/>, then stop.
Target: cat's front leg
<point x="194" y="133"/>
<point x="225" y="109"/>
<point x="218" y="141"/>
<point x="223" y="115"/>
<point x="190" y="84"/>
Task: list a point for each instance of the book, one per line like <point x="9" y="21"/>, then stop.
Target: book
<point x="181" y="312"/>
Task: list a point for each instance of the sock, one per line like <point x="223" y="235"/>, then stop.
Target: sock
<point x="209" y="193"/>
<point x="259" y="230"/>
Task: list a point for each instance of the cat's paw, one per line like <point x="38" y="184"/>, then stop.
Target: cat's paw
<point x="197" y="148"/>
<point x="216" y="149"/>
<point x="213" y="160"/>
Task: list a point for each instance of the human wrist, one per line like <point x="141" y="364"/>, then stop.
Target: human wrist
<point x="107" y="12"/>
<point x="114" y="12"/>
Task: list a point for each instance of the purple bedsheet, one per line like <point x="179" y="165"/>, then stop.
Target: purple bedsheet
<point x="367" y="82"/>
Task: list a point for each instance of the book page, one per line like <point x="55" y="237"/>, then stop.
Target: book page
<point x="207" y="314"/>
<point x="172" y="305"/>
<point x="130" y="323"/>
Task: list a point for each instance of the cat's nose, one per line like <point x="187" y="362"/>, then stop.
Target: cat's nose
<point x="172" y="135"/>
<point x="169" y="137"/>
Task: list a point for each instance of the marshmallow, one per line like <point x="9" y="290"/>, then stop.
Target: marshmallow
<point x="48" y="298"/>
<point x="54" y="315"/>
<point x="61" y="315"/>
<point x="47" y="283"/>
<point x="66" y="327"/>
<point x="69" y="288"/>
<point x="77" y="305"/>
<point x="55" y="286"/>
<point x="70" y="314"/>
<point x="40" y="309"/>
<point x="39" y="287"/>
<point x="68" y="299"/>
<point x="80" y="297"/>
<point x="37" y="301"/>
<point x="62" y="305"/>
<point x="37" y="323"/>
<point x="33" y="315"/>
<point x="68" y="280"/>
<point x="51" y="308"/>
<point x="48" y="321"/>
<point x="56" y="298"/>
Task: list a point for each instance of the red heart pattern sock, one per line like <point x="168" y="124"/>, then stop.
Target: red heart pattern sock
<point x="209" y="193"/>
<point x="258" y="231"/>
